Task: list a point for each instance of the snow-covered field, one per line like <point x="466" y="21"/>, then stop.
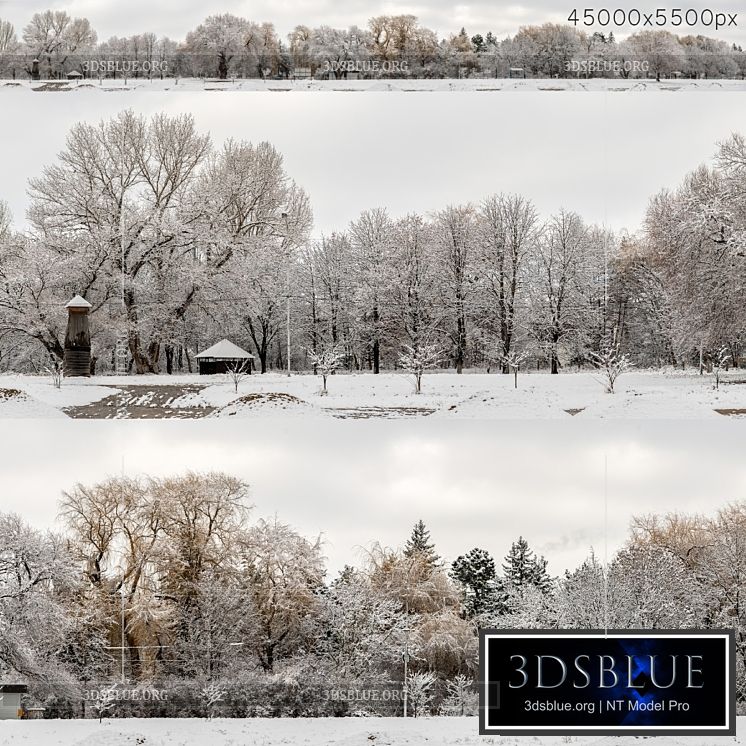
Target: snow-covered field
<point x="277" y="732"/>
<point x="466" y="84"/>
<point x="639" y="395"/>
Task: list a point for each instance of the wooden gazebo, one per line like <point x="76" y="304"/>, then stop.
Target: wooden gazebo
<point x="223" y="357"/>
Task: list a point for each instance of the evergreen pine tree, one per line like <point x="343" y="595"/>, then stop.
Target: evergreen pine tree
<point x="522" y="567"/>
<point x="478" y="42"/>
<point x="418" y="544"/>
<point x="475" y="571"/>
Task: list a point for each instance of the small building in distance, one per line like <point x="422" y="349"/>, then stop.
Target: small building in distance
<point x="223" y="357"/>
<point x="10" y="701"/>
<point x="77" y="357"/>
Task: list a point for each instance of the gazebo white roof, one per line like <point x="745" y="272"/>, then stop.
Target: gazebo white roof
<point x="78" y="302"/>
<point x="225" y="350"/>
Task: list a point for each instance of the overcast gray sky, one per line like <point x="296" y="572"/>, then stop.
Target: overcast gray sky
<point x="475" y="483"/>
<point x="601" y="154"/>
<point x="174" y="19"/>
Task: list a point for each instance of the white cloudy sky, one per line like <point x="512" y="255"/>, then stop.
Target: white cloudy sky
<point x="473" y="483"/>
<point x="601" y="154"/>
<point x="174" y="19"/>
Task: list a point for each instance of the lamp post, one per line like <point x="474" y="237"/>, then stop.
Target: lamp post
<point x="405" y="654"/>
<point x="123" y="633"/>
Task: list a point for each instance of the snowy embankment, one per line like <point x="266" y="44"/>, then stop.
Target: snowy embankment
<point x="281" y="731"/>
<point x="396" y="85"/>
<point x="639" y="395"/>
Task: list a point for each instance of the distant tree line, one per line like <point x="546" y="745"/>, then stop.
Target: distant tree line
<point x="178" y="242"/>
<point x="236" y="616"/>
<point x="54" y="44"/>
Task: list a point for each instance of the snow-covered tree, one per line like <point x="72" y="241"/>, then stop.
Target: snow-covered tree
<point x="454" y="235"/>
<point x="213" y="693"/>
<point x="461" y="698"/>
<point x="237" y="371"/>
<point x="283" y="571"/>
<point x="416" y="360"/>
<point x="419" y="545"/>
<point x="35" y="572"/>
<point x="168" y="222"/>
<point x="411" y="289"/>
<point x="559" y="309"/>
<point x="105" y="700"/>
<point x="219" y="38"/>
<point x="144" y="545"/>
<point x="327" y="361"/>
<point x="359" y="630"/>
<point x="508" y="229"/>
<point x="582" y="599"/>
<point x="475" y="572"/>
<point x="55" y="371"/>
<point x="226" y="45"/>
<point x="661" y="49"/>
<point x="720" y="362"/>
<point x="513" y="361"/>
<point x="53" y="36"/>
<point x="370" y="240"/>
<point x="420" y="692"/>
<point x="522" y="567"/>
<point x="412" y="580"/>
<point x="446" y="643"/>
<point x="610" y="362"/>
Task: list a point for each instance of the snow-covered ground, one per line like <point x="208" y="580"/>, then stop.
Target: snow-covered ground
<point x="311" y="732"/>
<point x="466" y="84"/>
<point x="639" y="395"/>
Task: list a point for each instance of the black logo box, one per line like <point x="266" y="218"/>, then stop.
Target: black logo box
<point x="705" y="660"/>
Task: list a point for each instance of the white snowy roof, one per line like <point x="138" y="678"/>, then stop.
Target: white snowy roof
<point x="225" y="350"/>
<point x="78" y="302"/>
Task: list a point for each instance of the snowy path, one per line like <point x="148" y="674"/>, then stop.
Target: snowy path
<point x="278" y="732"/>
<point x="579" y="396"/>
<point x="486" y="85"/>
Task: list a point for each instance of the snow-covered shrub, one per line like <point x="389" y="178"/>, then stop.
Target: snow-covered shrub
<point x="610" y="362"/>
<point x="513" y="360"/>
<point x="420" y="692"/>
<point x="237" y="371"/>
<point x="55" y="371"/>
<point x="326" y="361"/>
<point x="104" y="703"/>
<point x="461" y="698"/>
<point x="416" y="360"/>
<point x="720" y="362"/>
<point x="212" y="693"/>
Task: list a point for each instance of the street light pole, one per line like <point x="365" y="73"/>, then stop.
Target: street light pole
<point x="406" y="650"/>
<point x="287" y="284"/>
<point x="406" y="661"/>
<point x="123" y="635"/>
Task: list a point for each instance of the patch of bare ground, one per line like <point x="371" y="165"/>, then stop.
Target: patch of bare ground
<point x="140" y="402"/>
<point x="8" y="394"/>
<point x="388" y="413"/>
<point x="52" y="87"/>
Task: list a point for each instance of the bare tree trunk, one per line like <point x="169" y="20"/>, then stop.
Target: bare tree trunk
<point x="376" y="343"/>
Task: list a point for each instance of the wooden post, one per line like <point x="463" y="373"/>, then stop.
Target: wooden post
<point x="77" y="361"/>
